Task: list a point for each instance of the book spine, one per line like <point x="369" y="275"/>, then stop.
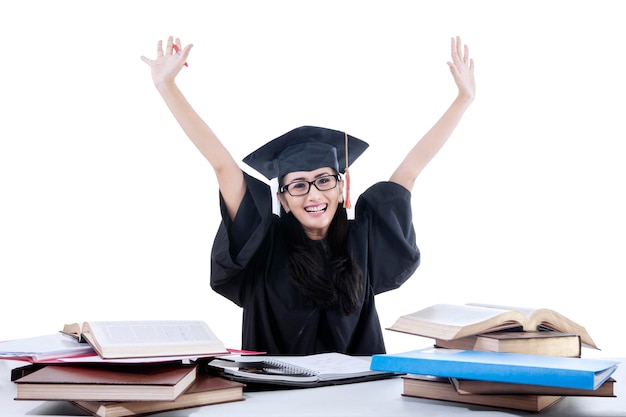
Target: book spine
<point x="22" y="371"/>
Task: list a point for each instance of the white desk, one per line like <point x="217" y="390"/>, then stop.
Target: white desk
<point x="377" y="398"/>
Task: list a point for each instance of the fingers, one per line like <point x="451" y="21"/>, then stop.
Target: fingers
<point x="458" y="45"/>
<point x="460" y="52"/>
<point x="172" y="47"/>
<point x="169" y="47"/>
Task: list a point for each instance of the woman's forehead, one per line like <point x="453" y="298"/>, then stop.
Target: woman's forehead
<point x="307" y="175"/>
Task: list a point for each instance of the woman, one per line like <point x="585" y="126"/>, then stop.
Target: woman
<point x="307" y="279"/>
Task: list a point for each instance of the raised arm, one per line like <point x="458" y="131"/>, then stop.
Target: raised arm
<point x="165" y="68"/>
<point x="462" y="69"/>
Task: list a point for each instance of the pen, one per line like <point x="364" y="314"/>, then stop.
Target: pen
<point x="177" y="50"/>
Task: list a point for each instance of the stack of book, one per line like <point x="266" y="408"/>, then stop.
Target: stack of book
<point x="136" y="368"/>
<point x="524" y="359"/>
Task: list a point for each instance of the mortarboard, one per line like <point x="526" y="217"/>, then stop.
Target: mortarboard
<point x="307" y="148"/>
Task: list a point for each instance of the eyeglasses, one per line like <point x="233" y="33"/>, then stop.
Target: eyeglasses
<point x="300" y="188"/>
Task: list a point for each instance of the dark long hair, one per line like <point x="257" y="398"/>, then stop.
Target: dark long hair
<point x="324" y="271"/>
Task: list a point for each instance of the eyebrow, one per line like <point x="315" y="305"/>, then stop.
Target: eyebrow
<point x="323" y="174"/>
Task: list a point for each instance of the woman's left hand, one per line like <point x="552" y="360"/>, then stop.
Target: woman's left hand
<point x="168" y="63"/>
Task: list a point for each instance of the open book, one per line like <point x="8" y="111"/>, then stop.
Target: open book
<point x="145" y="339"/>
<point x="451" y="321"/>
<point x="308" y="370"/>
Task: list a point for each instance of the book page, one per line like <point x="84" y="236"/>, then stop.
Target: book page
<point x="526" y="311"/>
<point x="456" y="315"/>
<point x="452" y="321"/>
<point x="548" y="319"/>
<point x="150" y="332"/>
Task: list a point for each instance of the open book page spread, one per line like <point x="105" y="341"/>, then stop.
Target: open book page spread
<point x="526" y="311"/>
<point x="546" y="319"/>
<point x="456" y="315"/>
<point x="450" y="321"/>
<point x="151" y="332"/>
<point x="150" y="338"/>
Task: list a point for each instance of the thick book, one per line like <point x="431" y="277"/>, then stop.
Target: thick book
<point x="112" y="382"/>
<point x="205" y="390"/>
<point x="435" y="388"/>
<point x="451" y="321"/>
<point x="499" y="367"/>
<point x="469" y="386"/>
<point x="150" y="338"/>
<point x="549" y="343"/>
<point x="300" y="371"/>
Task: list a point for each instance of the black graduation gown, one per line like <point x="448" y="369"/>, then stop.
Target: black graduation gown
<point x="249" y="266"/>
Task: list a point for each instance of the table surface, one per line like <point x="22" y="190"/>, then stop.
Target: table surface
<point x="375" y="398"/>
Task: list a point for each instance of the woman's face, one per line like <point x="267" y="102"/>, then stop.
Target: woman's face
<point x="316" y="209"/>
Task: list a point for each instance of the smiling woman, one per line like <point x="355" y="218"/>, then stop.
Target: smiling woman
<point x="307" y="279"/>
<point x="314" y="207"/>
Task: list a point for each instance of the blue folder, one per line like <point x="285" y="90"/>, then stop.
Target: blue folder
<point x="514" y="368"/>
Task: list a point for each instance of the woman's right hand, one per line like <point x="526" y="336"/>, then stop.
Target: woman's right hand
<point x="169" y="62"/>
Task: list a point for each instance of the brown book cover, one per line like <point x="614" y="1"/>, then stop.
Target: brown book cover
<point x="205" y="390"/>
<point x="547" y="343"/>
<point x="110" y="382"/>
<point x="435" y="388"/>
<point x="469" y="386"/>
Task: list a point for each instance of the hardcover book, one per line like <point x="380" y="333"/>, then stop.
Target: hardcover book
<point x="112" y="382"/>
<point x="450" y="321"/>
<point x="440" y="389"/>
<point x="548" y="343"/>
<point x="499" y="367"/>
<point x="205" y="390"/>
<point x="469" y="386"/>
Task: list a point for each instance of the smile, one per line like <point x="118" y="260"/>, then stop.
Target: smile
<point x="316" y="209"/>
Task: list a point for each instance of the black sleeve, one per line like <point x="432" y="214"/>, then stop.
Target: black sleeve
<point x="384" y="212"/>
<point x="237" y="241"/>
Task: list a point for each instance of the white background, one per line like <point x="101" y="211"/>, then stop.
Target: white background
<point x="107" y="211"/>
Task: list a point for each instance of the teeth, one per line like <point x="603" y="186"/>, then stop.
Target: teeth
<point x="316" y="209"/>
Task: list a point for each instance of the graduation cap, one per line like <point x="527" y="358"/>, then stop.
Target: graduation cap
<point x="307" y="148"/>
